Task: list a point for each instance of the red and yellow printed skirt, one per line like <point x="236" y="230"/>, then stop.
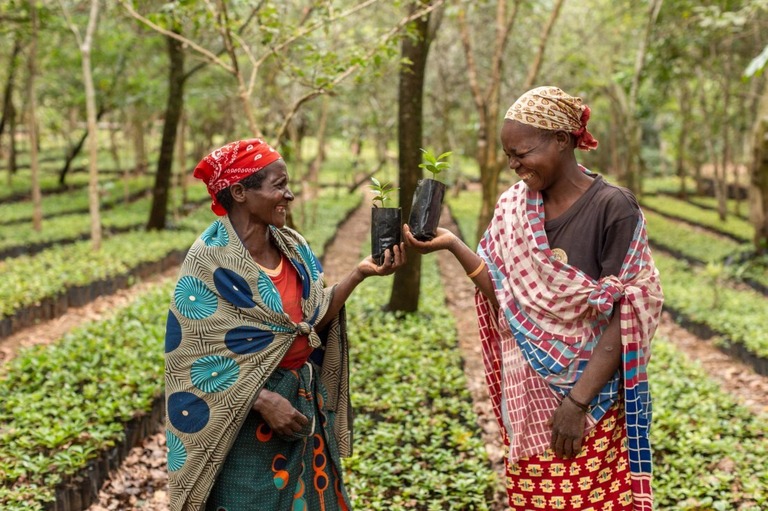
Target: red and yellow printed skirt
<point x="597" y="479"/>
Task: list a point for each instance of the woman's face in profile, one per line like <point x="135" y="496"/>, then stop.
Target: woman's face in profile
<point x="269" y="203"/>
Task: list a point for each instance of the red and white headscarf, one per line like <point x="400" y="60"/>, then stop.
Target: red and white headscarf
<point x="230" y="163"/>
<point x="549" y="108"/>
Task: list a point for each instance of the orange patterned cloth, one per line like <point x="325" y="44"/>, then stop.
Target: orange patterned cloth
<point x="549" y="108"/>
<point x="598" y="479"/>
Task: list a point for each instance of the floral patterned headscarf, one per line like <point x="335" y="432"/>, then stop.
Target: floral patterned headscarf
<point x="549" y="108"/>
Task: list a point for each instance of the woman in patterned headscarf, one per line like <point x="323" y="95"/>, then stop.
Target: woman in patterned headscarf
<point x="568" y="301"/>
<point x="257" y="382"/>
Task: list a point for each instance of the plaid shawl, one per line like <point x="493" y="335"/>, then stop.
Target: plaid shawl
<point x="550" y="319"/>
<point x="226" y="333"/>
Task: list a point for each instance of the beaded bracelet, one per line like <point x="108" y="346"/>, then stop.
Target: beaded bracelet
<point x="584" y="408"/>
<point x="477" y="270"/>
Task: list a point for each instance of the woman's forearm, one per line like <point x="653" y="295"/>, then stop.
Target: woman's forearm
<point x="605" y="360"/>
<point x="471" y="262"/>
<point x="341" y="292"/>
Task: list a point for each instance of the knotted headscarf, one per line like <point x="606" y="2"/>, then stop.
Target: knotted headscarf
<point x="230" y="163"/>
<point x="549" y="108"/>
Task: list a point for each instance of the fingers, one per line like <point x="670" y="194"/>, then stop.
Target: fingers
<point x="292" y="424"/>
<point x="559" y="448"/>
<point x="565" y="447"/>
<point x="394" y="258"/>
<point x="411" y="241"/>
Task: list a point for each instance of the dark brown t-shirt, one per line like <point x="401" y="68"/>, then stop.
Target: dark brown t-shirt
<point x="596" y="231"/>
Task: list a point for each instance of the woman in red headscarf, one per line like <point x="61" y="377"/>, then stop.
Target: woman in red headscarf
<point x="257" y="383"/>
<point x="568" y="300"/>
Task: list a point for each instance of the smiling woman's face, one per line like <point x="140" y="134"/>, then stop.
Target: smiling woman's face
<point x="533" y="154"/>
<point x="268" y="204"/>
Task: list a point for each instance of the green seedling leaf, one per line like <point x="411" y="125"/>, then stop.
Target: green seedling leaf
<point x="434" y="164"/>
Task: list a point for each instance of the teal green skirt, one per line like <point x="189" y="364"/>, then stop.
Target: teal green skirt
<point x="269" y="472"/>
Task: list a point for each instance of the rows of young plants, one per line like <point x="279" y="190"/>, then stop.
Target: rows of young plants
<point x="710" y="453"/>
<point x="30" y="279"/>
<point x="21" y="239"/>
<point x="24" y="239"/>
<point x="704" y="248"/>
<point x="63" y="404"/>
<point x="698" y="295"/>
<point x="111" y="193"/>
<point x="417" y="443"/>
<point x="739" y="208"/>
<point x="732" y="226"/>
<point x="17" y="186"/>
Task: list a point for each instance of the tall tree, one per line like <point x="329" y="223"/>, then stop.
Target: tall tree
<point x="487" y="96"/>
<point x="9" y="111"/>
<point x="625" y="103"/>
<point x="759" y="177"/>
<point x="173" y="111"/>
<point x="415" y="49"/>
<point x="37" y="200"/>
<point x="487" y="102"/>
<point x="759" y="163"/>
<point x="86" y="46"/>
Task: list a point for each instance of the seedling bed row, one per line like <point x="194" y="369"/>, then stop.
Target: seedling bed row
<point x="732" y="349"/>
<point x="79" y="491"/>
<point x="77" y="296"/>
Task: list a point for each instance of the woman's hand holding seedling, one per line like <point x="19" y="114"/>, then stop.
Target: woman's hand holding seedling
<point x="445" y="240"/>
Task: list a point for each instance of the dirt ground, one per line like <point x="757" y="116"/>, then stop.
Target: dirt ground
<point x="141" y="482"/>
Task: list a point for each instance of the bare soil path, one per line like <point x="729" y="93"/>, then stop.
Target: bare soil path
<point x="141" y="482"/>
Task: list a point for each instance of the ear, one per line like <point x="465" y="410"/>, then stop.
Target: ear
<point x="238" y="192"/>
<point x="564" y="140"/>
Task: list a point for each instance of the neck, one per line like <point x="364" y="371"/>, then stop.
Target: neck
<point x="572" y="184"/>
<point x="565" y="191"/>
<point x="255" y="238"/>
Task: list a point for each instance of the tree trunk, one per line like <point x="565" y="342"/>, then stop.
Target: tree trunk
<point x="310" y="186"/>
<point x="9" y="111"/>
<point x="75" y="150"/>
<point x="533" y="70"/>
<point x="759" y="177"/>
<point x="682" y="140"/>
<point x="487" y="103"/>
<point x="181" y="168"/>
<point x="9" y="85"/>
<point x="12" y="164"/>
<point x="406" y="287"/>
<point x="37" y="199"/>
<point x="139" y="147"/>
<point x="722" y="202"/>
<point x="93" y="141"/>
<point x="173" y="110"/>
<point x="634" y="169"/>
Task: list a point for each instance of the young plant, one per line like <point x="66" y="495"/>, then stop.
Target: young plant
<point x="435" y="164"/>
<point x="382" y="192"/>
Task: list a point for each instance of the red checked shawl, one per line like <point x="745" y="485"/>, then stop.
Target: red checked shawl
<point x="551" y="316"/>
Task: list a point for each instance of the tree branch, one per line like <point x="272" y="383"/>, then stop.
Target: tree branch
<point x="205" y="53"/>
<point x="351" y="69"/>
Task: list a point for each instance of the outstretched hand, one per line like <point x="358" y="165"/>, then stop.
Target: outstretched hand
<point x="443" y="241"/>
<point x="393" y="259"/>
